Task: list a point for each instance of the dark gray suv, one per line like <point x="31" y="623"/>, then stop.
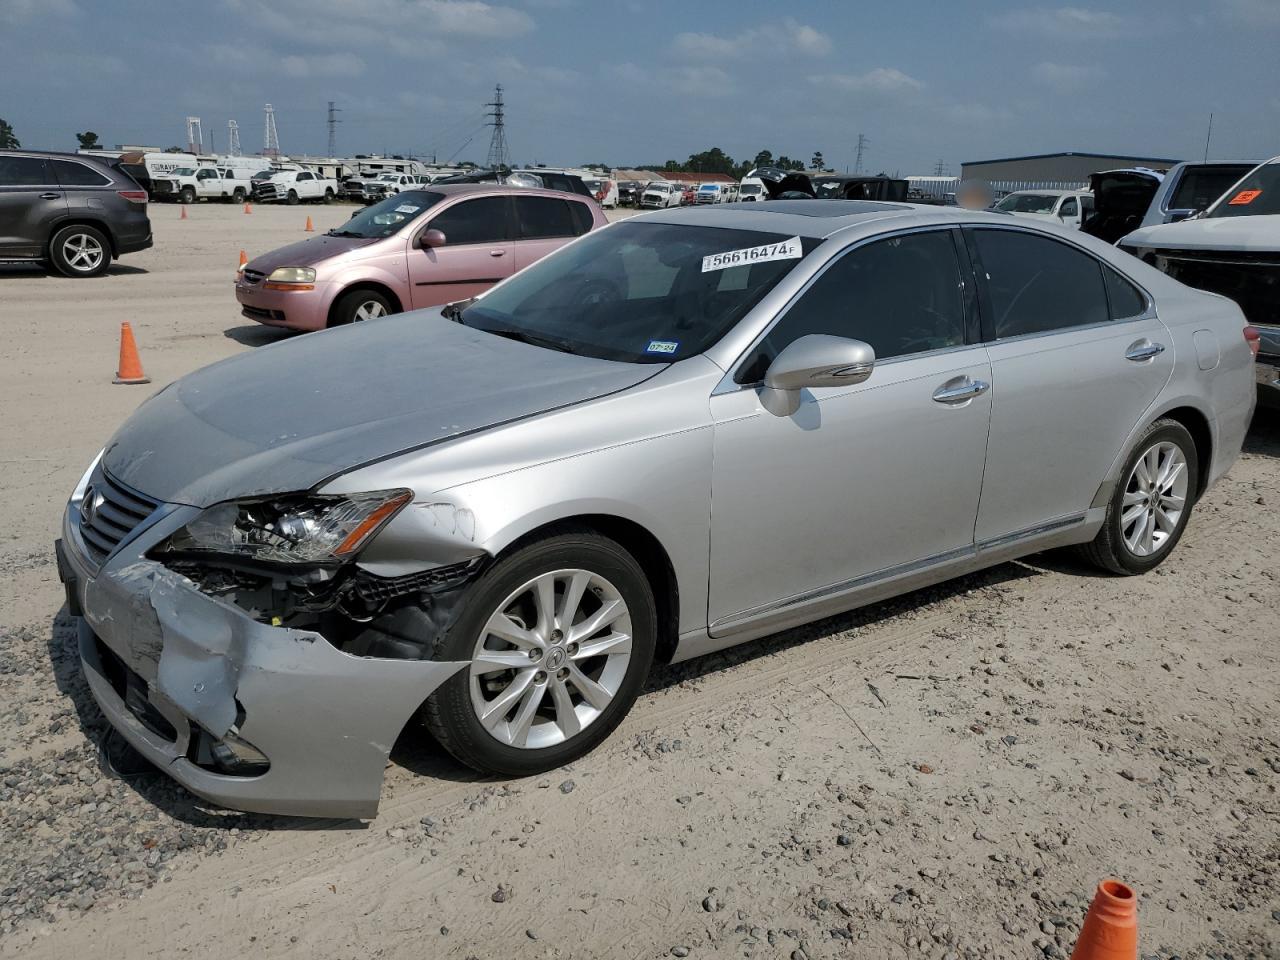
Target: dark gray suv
<point x="73" y="212"/>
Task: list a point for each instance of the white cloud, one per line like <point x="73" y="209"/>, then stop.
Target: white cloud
<point x="403" y="25"/>
<point x="258" y="60"/>
<point x="21" y="11"/>
<point x="322" y="65"/>
<point x="788" y="37"/>
<point x="1067" y="77"/>
<point x="879" y="80"/>
<point x="1064" y="23"/>
<point x="705" y="81"/>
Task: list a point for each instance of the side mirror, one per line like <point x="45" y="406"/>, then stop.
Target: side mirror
<point x="431" y="238"/>
<point x="819" y="360"/>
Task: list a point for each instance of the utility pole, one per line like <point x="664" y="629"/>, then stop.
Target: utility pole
<point x="333" y="129"/>
<point x="233" y="139"/>
<point x="270" y="138"/>
<point x="863" y="144"/>
<point x="498" y="156"/>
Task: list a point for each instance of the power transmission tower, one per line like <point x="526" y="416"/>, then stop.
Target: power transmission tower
<point x="863" y="144"/>
<point x="333" y="129"/>
<point x="195" y="138"/>
<point x="270" y="139"/>
<point x="498" y="158"/>
<point x="940" y="168"/>
<point x="233" y="138"/>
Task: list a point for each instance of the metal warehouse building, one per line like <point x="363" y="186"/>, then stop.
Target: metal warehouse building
<point x="1055" y="167"/>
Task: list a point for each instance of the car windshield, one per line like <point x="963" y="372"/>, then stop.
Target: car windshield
<point x="749" y="189"/>
<point x="1027" y="203"/>
<point x="639" y="292"/>
<point x="388" y="216"/>
<point x="592" y="185"/>
<point x="1258" y="194"/>
<point x="264" y="175"/>
<point x="389" y="176"/>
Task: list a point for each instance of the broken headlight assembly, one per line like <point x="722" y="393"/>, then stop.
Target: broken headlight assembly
<point x="314" y="530"/>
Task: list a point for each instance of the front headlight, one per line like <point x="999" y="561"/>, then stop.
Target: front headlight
<point x="293" y="275"/>
<point x="289" y="530"/>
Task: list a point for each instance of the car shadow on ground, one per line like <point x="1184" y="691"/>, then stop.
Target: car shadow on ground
<point x="35" y="271"/>
<point x="1264" y="433"/>
<point x="257" y="334"/>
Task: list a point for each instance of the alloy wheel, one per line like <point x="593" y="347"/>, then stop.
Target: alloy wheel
<point x="550" y="659"/>
<point x="82" y="252"/>
<point x="370" y="310"/>
<point x="1155" y="499"/>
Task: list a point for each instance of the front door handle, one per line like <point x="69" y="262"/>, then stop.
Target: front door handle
<point x="1143" y="350"/>
<point x="960" y="390"/>
<point x="50" y="196"/>
<point x="497" y="253"/>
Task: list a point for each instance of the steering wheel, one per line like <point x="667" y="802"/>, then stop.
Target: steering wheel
<point x="596" y="292"/>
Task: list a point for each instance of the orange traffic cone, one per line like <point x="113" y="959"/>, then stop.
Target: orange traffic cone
<point x="248" y="208"/>
<point x="243" y="260"/>
<point x="309" y="228"/>
<point x="130" y="369"/>
<point x="183" y="215"/>
<point x="1110" y="930"/>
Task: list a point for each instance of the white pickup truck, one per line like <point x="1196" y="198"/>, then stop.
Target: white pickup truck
<point x="189" y="184"/>
<point x="293" y="186"/>
<point x="370" y="189"/>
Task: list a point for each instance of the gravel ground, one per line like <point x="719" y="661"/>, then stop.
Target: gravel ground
<point x="946" y="775"/>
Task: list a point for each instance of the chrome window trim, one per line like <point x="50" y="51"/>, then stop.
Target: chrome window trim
<point x="819" y="270"/>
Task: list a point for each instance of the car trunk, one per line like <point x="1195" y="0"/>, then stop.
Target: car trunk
<point x="1120" y="201"/>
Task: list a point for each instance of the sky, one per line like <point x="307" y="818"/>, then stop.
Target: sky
<point x="645" y="82"/>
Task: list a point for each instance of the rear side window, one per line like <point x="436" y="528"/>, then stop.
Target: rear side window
<point x="1037" y="285"/>
<point x="541" y="218"/>
<point x="900" y="295"/>
<point x="72" y="174"/>
<point x="482" y="220"/>
<point x="24" y="172"/>
<point x="1126" y="299"/>
<point x="582" y="218"/>
<point x="1199" y="188"/>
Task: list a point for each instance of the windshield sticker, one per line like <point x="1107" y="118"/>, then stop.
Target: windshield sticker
<point x="662" y="346"/>
<point x="407" y="208"/>
<point x="786" y="250"/>
<point x="1244" y="197"/>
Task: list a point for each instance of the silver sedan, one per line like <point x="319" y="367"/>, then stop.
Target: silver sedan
<point x="679" y="433"/>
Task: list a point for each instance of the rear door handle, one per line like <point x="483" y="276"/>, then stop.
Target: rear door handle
<point x="960" y="390"/>
<point x="50" y="196"/>
<point x="1142" y="350"/>
<point x="497" y="253"/>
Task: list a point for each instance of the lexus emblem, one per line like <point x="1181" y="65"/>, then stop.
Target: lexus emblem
<point x="89" y="505"/>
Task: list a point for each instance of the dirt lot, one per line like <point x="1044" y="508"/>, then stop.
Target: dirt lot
<point x="945" y="776"/>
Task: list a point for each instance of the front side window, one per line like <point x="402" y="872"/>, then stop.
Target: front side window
<point x="901" y="295"/>
<point x="482" y="220"/>
<point x="640" y="292"/>
<point x="72" y="174"/>
<point x="540" y="218"/>
<point x="23" y="172"/>
<point x="1069" y="208"/>
<point x="1037" y="285"/>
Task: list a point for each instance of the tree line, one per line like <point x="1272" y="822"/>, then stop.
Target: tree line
<point x="716" y="160"/>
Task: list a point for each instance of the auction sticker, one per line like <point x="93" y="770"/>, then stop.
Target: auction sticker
<point x="785" y="250"/>
<point x="662" y="346"/>
<point x="407" y="208"/>
<point x="1242" y="198"/>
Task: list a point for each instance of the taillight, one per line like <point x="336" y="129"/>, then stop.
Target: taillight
<point x="1253" y="338"/>
<point x="134" y="196"/>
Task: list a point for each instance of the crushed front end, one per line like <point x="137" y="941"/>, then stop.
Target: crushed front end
<point x="274" y="686"/>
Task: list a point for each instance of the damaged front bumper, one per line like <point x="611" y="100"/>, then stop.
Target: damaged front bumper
<point x="177" y="671"/>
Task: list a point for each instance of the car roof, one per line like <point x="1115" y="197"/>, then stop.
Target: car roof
<point x="462" y="189"/>
<point x="63" y="155"/>
<point x="1048" y="192"/>
<point x="819" y="219"/>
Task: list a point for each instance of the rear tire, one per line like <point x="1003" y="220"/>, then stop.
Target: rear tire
<point x="238" y="195"/>
<point x="1151" y="504"/>
<point x="572" y="691"/>
<point x="355" y="306"/>
<point x="328" y="195"/>
<point x="80" y="251"/>
<point x="292" y="199"/>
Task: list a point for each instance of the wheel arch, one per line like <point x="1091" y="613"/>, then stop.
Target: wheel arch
<point x="647" y="550"/>
<point x="79" y="221"/>
<point x="372" y="285"/>
<point x="1197" y="425"/>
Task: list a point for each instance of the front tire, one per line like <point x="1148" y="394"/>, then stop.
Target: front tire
<point x="559" y="637"/>
<point x="328" y="195"/>
<point x="187" y="195"/>
<point x="356" y="306"/>
<point x="1151" y="504"/>
<point x="80" y="251"/>
<point x="292" y="199"/>
<point x="238" y="195"/>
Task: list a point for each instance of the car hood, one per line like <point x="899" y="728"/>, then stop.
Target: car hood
<point x="1227" y="233"/>
<point x="777" y="182"/>
<point x="291" y="415"/>
<point x="307" y="253"/>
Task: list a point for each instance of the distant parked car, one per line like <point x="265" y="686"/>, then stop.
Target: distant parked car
<point x="659" y="195"/>
<point x="629" y="192"/>
<point x="1232" y="249"/>
<point x="688" y="195"/>
<point x="188" y="185"/>
<point x="419" y="248"/>
<point x="1067" y="207"/>
<point x="752" y="190"/>
<point x="73" y="212"/>
<point x="294" y="186"/>
<point x="1191" y="188"/>
<point x="536" y="177"/>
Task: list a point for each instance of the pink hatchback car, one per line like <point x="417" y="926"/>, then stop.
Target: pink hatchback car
<point x="419" y="248"/>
